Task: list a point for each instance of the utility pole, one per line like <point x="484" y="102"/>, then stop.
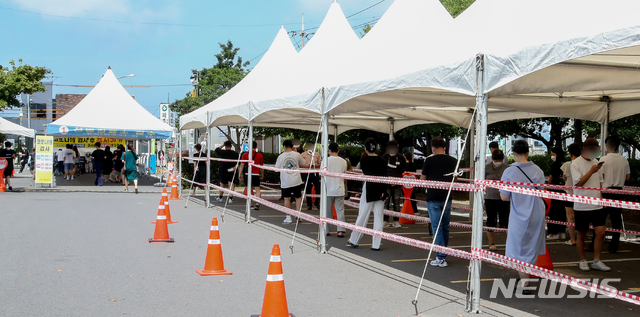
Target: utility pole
<point x="302" y="33"/>
<point x="303" y="30"/>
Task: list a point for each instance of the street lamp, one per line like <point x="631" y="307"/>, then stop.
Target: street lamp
<point x="130" y="75"/>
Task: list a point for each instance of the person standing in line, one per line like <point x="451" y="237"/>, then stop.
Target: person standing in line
<point x="373" y="195"/>
<point x="557" y="211"/>
<point x="525" y="238"/>
<point x="108" y="163"/>
<point x="117" y="164"/>
<point x="98" y="157"/>
<point x="439" y="167"/>
<point x="24" y="157"/>
<point x="615" y="172"/>
<point x="130" y="168"/>
<point x="8" y="154"/>
<point x="335" y="188"/>
<point x="585" y="171"/>
<point x="575" y="152"/>
<point x="290" y="182"/>
<point x="257" y="174"/>
<point x="411" y="167"/>
<point x="346" y="154"/>
<point x="494" y="146"/>
<point x="497" y="209"/>
<point x="69" y="155"/>
<point x="396" y="166"/>
<point x="60" y="162"/>
<point x="311" y="179"/>
<point x="76" y="165"/>
<point x="226" y="169"/>
<point x="199" y="168"/>
<point x="32" y="161"/>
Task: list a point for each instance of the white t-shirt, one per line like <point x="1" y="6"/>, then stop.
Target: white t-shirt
<point x="69" y="155"/>
<point x="579" y="168"/>
<point x="291" y="161"/>
<point x="335" y="186"/>
<point x="60" y="155"/>
<point x="566" y="170"/>
<point x="615" y="170"/>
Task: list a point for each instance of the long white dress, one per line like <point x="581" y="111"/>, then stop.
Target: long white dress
<point x="525" y="238"/>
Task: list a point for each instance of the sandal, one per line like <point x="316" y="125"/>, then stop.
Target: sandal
<point x="126" y="190"/>
<point x="492" y="247"/>
<point x="136" y="190"/>
<point x="340" y="234"/>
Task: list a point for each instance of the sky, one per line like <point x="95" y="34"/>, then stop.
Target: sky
<point x="159" y="41"/>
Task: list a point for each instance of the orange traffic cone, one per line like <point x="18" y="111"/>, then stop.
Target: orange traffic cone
<point x="275" y="298"/>
<point x="169" y="181"/>
<point x="407" y="209"/>
<point x="245" y="191"/>
<point x="167" y="209"/>
<point x="313" y="192"/>
<point x="335" y="216"/>
<point x="544" y="261"/>
<point x="213" y="264"/>
<point x="161" y="234"/>
<point x="174" y="192"/>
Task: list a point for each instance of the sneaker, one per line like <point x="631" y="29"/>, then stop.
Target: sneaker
<point x="385" y="224"/>
<point x="584" y="266"/>
<point x="569" y="243"/>
<point x="439" y="263"/>
<point x="256" y="207"/>
<point x="230" y="200"/>
<point x="553" y="237"/>
<point x="71" y="177"/>
<point x="287" y="220"/>
<point x="219" y="199"/>
<point x="598" y="265"/>
<point x="396" y="224"/>
<point x="351" y="244"/>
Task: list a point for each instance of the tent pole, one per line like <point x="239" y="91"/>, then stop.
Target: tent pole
<point x="249" y="171"/>
<point x="471" y="143"/>
<point x="208" y="189"/>
<point x="604" y="130"/>
<point x="179" y="156"/>
<point x="335" y="133"/>
<point x="391" y="129"/>
<point x="481" y="134"/>
<point x="323" y="184"/>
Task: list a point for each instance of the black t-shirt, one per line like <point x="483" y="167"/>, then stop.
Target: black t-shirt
<point x="25" y="157"/>
<point x="8" y="155"/>
<point x="411" y="167"/>
<point x="396" y="165"/>
<point x="435" y="167"/>
<point x="375" y="166"/>
<point x="202" y="165"/>
<point x="98" y="157"/>
<point x="227" y="155"/>
<point x="556" y="172"/>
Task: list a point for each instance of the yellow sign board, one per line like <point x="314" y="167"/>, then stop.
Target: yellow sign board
<point x="88" y="142"/>
<point x="44" y="159"/>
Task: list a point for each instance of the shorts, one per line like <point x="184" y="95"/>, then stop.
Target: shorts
<point x="68" y="166"/>
<point x="225" y="177"/>
<point x="597" y="218"/>
<point x="497" y="209"/>
<point x="117" y="173"/>
<point x="255" y="181"/>
<point x="8" y="171"/>
<point x="568" y="204"/>
<point x="295" y="191"/>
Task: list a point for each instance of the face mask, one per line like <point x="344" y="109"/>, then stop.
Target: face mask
<point x="588" y="155"/>
<point x="392" y="152"/>
<point x="497" y="164"/>
<point x="553" y="158"/>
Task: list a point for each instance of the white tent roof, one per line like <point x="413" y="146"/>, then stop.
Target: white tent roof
<point x="8" y="127"/>
<point x="109" y="111"/>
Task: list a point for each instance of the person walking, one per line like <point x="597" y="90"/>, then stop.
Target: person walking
<point x="373" y="195"/>
<point x="226" y="169"/>
<point x="24" y="157"/>
<point x="60" y="162"/>
<point x="76" y="160"/>
<point x="290" y="182"/>
<point x="575" y="152"/>
<point x="556" y="211"/>
<point x="615" y="172"/>
<point x="117" y="164"/>
<point x="335" y="188"/>
<point x="69" y="155"/>
<point x="199" y="168"/>
<point x="439" y="167"/>
<point x="98" y="157"/>
<point x="396" y="166"/>
<point x="525" y="238"/>
<point x="257" y="174"/>
<point x="108" y="163"/>
<point x="130" y="168"/>
<point x="497" y="209"/>
<point x="8" y="154"/>
<point x="311" y="157"/>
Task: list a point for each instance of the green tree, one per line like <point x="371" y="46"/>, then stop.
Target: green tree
<point x="420" y="135"/>
<point x="558" y="128"/>
<point x="455" y="7"/>
<point x="214" y="82"/>
<point x="21" y="79"/>
<point x="365" y="29"/>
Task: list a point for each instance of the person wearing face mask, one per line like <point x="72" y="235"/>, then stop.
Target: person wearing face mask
<point x="312" y="158"/>
<point x="497" y="209"/>
<point x="615" y="172"/>
<point x="575" y="152"/>
<point x="585" y="171"/>
<point x="556" y="211"/>
<point x="494" y="146"/>
<point x="396" y="166"/>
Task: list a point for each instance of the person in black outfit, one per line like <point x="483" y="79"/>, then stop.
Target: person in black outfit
<point x="108" y="162"/>
<point x="118" y="164"/>
<point x="98" y="163"/>
<point x="199" y="168"/>
<point x="8" y="154"/>
<point x="373" y="195"/>
<point x="24" y="157"/>
<point x="226" y="169"/>
<point x="396" y="166"/>
<point x="557" y="211"/>
<point x="411" y="167"/>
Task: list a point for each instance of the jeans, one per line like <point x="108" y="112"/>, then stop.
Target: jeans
<point x="437" y="209"/>
<point x="616" y="219"/>
<point x="98" y="169"/>
<point x="60" y="166"/>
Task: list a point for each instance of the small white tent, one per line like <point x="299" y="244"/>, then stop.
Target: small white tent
<point x="8" y="127"/>
<point x="109" y="111"/>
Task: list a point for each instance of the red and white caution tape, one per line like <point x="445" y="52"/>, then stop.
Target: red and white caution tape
<point x="280" y="170"/>
<point x="554" y="276"/>
<point x="561" y="187"/>
<point x="404" y="181"/>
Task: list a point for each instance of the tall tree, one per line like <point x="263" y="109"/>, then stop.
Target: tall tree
<point x="557" y="128"/>
<point x="20" y="79"/>
<point x="455" y="7"/>
<point x="420" y="135"/>
<point x="212" y="83"/>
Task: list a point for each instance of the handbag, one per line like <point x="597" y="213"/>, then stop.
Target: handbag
<point x="546" y="201"/>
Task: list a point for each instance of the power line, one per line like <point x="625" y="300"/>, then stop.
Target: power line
<point x="365" y="9"/>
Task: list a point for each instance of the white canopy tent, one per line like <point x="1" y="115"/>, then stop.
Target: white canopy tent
<point x="110" y="111"/>
<point x="8" y="127"/>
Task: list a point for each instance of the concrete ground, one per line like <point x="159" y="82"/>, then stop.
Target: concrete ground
<point x="83" y="253"/>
